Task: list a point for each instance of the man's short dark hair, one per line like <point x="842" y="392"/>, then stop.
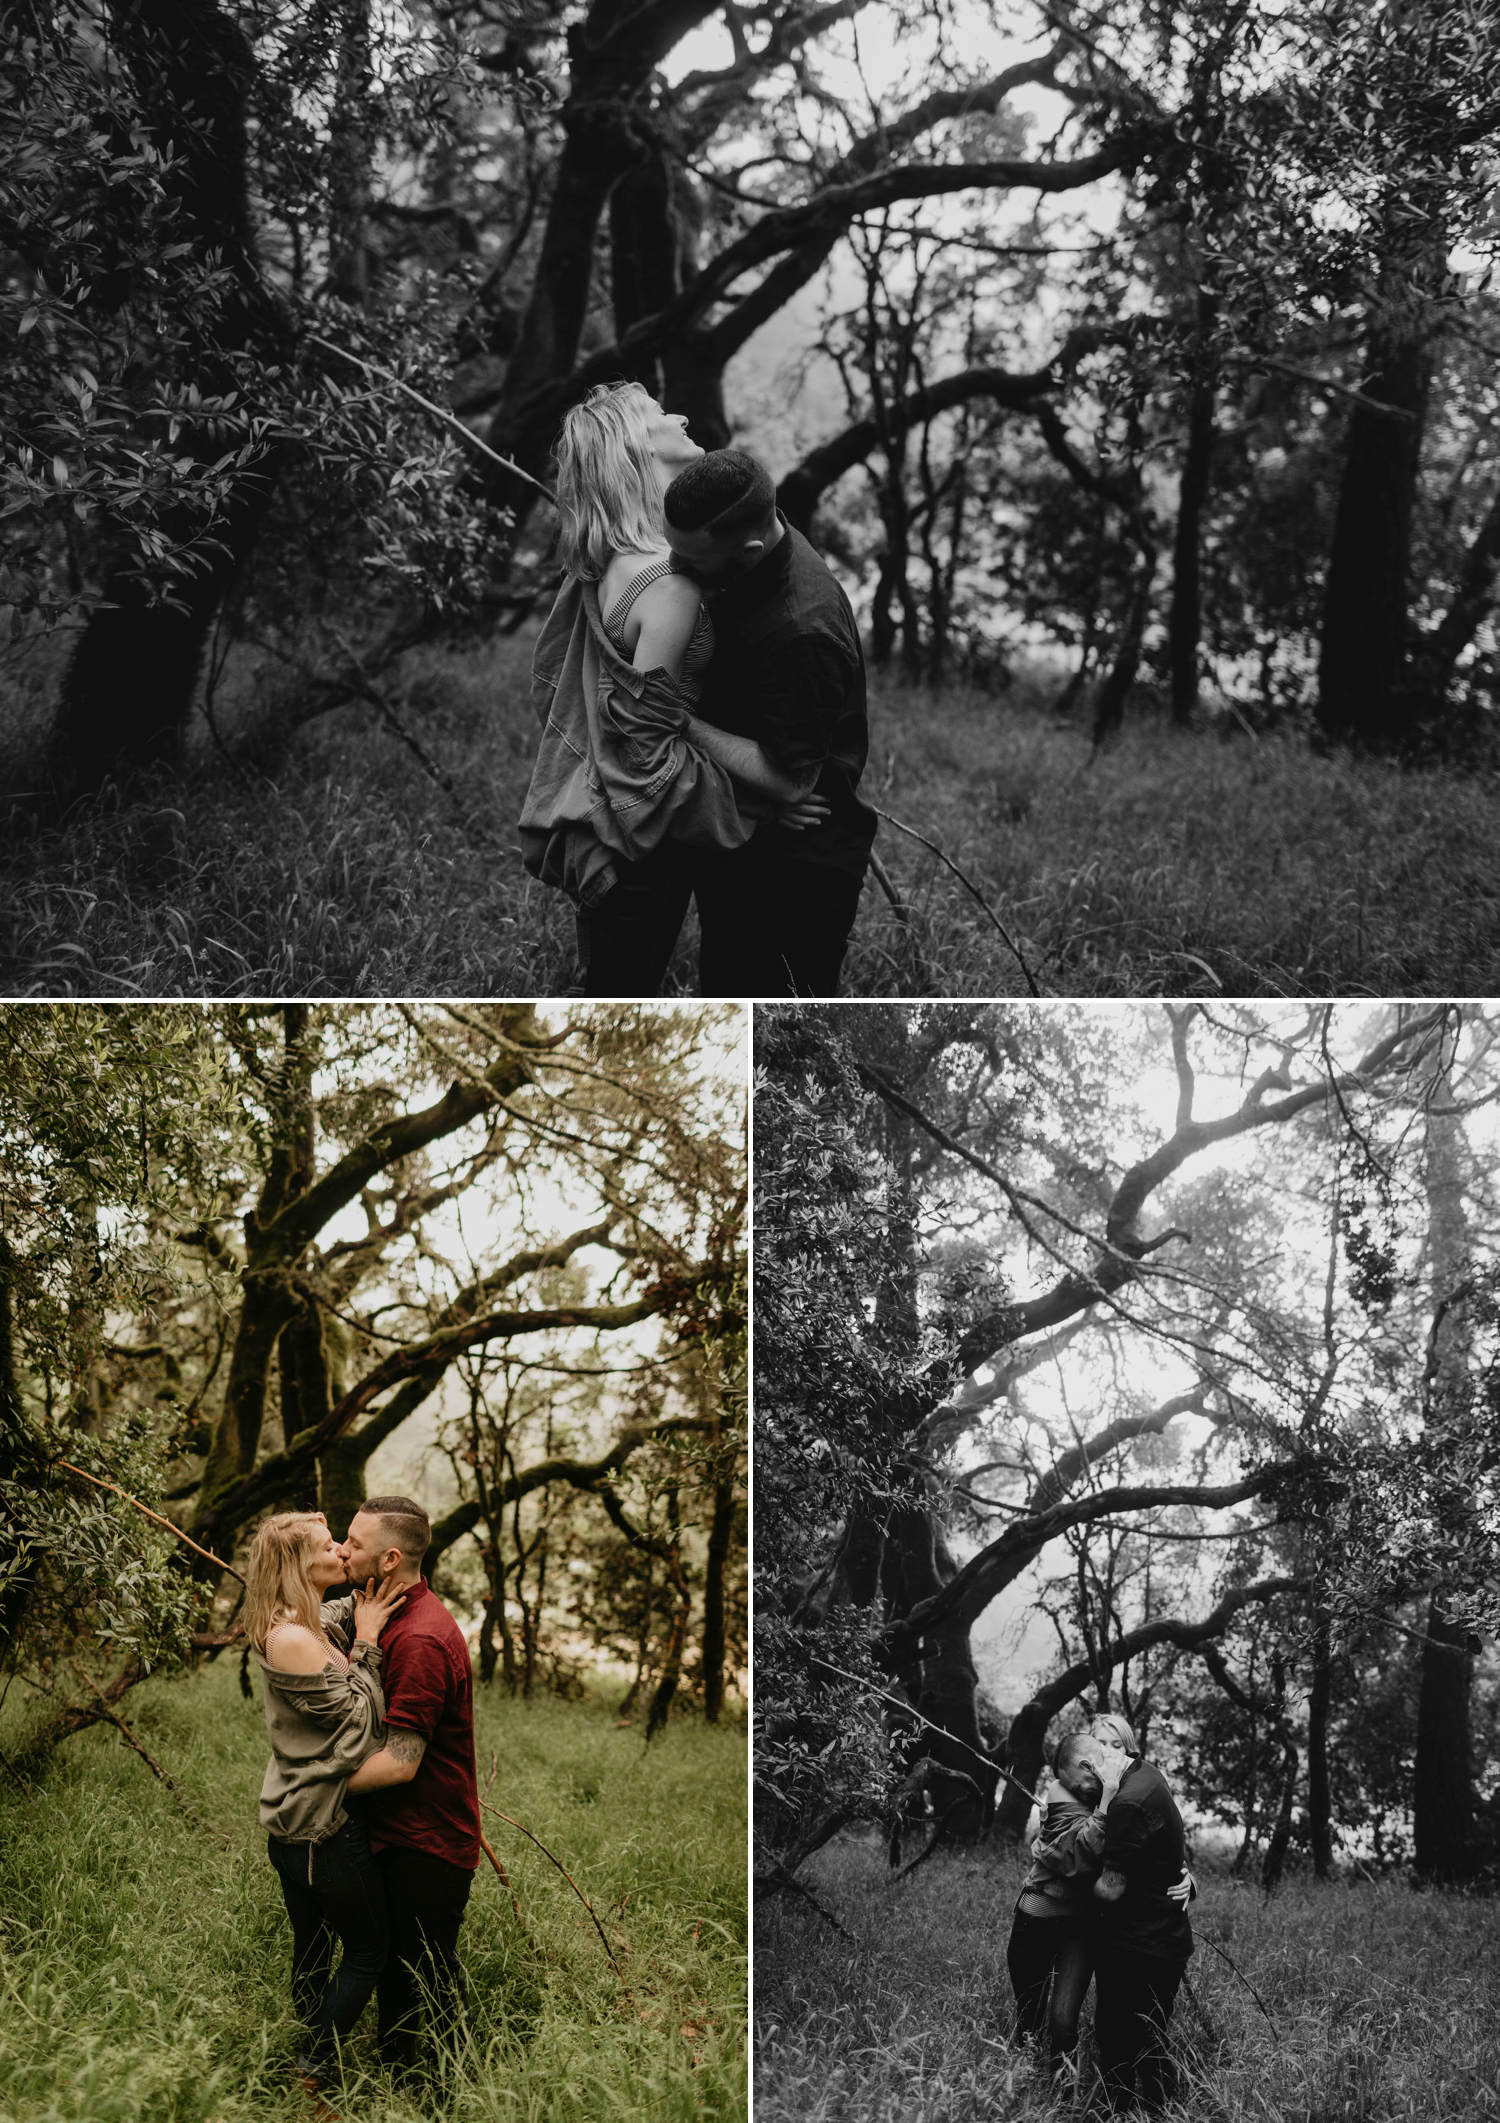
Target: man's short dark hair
<point x="724" y="493"/>
<point x="1074" y="1752"/>
<point x="403" y="1525"/>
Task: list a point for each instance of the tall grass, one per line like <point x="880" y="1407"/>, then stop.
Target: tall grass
<point x="1170" y="863"/>
<point x="1380" y="2003"/>
<point x="144" y="1955"/>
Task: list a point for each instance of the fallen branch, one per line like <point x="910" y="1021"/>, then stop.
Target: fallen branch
<point x="910" y="1711"/>
<point x="781" y="1882"/>
<point x="438" y="412"/>
<point x="515" y="1900"/>
<point x="588" y="1905"/>
<point x="129" y="1737"/>
<point x="155" y="1517"/>
<point x="882" y="877"/>
<point x="1209" y="1940"/>
<point x="216" y="1639"/>
<point x="969" y="886"/>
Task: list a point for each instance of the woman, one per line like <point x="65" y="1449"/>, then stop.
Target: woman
<point x="619" y="666"/>
<point x="324" y="1713"/>
<point x="1050" y="1940"/>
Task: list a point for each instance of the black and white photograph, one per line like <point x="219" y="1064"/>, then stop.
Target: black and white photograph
<point x="1127" y="1561"/>
<point x="633" y="497"/>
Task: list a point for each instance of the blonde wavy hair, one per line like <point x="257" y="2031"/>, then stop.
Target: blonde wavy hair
<point x="609" y="484"/>
<point x="277" y="1587"/>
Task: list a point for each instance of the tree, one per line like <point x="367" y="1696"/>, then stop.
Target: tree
<point x="164" y="392"/>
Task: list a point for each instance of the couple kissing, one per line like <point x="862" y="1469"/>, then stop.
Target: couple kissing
<point x="701" y="688"/>
<point x="370" y="1799"/>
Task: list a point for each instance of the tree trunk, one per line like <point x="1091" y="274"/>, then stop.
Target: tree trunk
<point x="1363" y="646"/>
<point x="1443" y="1780"/>
<point x="1185" y="619"/>
<point x="719" y="1535"/>
<point x="128" y="689"/>
<point x="1109" y="702"/>
<point x="1319" y="1798"/>
<point x="349" y="158"/>
<point x="642" y="252"/>
<point x="1281" y="1834"/>
<point x="671" y="1672"/>
<point x="1443" y="1777"/>
<point x="15" y="1450"/>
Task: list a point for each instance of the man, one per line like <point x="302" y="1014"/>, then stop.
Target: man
<point x="422" y="1786"/>
<point x="783" y="709"/>
<point x="1143" y="1938"/>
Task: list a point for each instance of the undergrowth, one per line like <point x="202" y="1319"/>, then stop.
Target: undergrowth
<point x="1171" y="862"/>
<point x="1341" y="2003"/>
<point x="145" y="1954"/>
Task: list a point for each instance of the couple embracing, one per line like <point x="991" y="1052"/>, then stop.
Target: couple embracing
<point x="370" y="1800"/>
<point x="702" y="692"/>
<point x="1105" y="1901"/>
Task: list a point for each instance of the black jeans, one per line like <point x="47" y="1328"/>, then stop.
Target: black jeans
<point x="1053" y="1953"/>
<point x="772" y="923"/>
<point x="426" y="1897"/>
<point x="333" y="1894"/>
<point x="626" y="943"/>
<point x="1131" y="2014"/>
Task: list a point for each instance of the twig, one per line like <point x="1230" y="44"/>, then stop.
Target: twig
<point x="99" y="1483"/>
<point x="969" y="886"/>
<point x="11" y="1770"/>
<point x="130" y="1738"/>
<point x="882" y="877"/>
<point x="1200" y="2009"/>
<point x="953" y="1740"/>
<point x="515" y="1901"/>
<point x="438" y="412"/>
<point x="782" y="1882"/>
<point x="588" y="1905"/>
<point x="1209" y="1940"/>
<point x="940" y="1827"/>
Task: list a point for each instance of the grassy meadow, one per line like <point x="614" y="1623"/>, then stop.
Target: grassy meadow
<point x="1382" y="2002"/>
<point x="1172" y="862"/>
<point x="145" y="1955"/>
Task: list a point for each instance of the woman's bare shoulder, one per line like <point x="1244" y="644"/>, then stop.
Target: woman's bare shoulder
<point x="296" y="1650"/>
<point x="671" y="594"/>
<point x="623" y="570"/>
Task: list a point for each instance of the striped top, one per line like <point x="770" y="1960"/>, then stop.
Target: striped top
<point x="700" y="648"/>
<point x="335" y="1659"/>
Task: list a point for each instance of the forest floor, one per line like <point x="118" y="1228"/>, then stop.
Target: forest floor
<point x="1170" y="863"/>
<point x="145" y="1955"/>
<point x="1376" y="2003"/>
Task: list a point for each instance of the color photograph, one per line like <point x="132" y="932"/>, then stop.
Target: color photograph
<point x="373" y="1602"/>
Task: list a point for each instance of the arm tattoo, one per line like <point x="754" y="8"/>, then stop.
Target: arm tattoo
<point x="405" y="1746"/>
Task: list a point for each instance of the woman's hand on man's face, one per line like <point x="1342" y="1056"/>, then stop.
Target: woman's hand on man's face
<point x="373" y="1608"/>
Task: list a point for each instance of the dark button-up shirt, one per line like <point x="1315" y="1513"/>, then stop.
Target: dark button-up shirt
<point x="429" y="1689"/>
<point x="788" y="671"/>
<point x="1143" y="1839"/>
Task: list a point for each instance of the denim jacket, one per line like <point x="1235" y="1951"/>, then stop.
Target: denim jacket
<point x="613" y="777"/>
